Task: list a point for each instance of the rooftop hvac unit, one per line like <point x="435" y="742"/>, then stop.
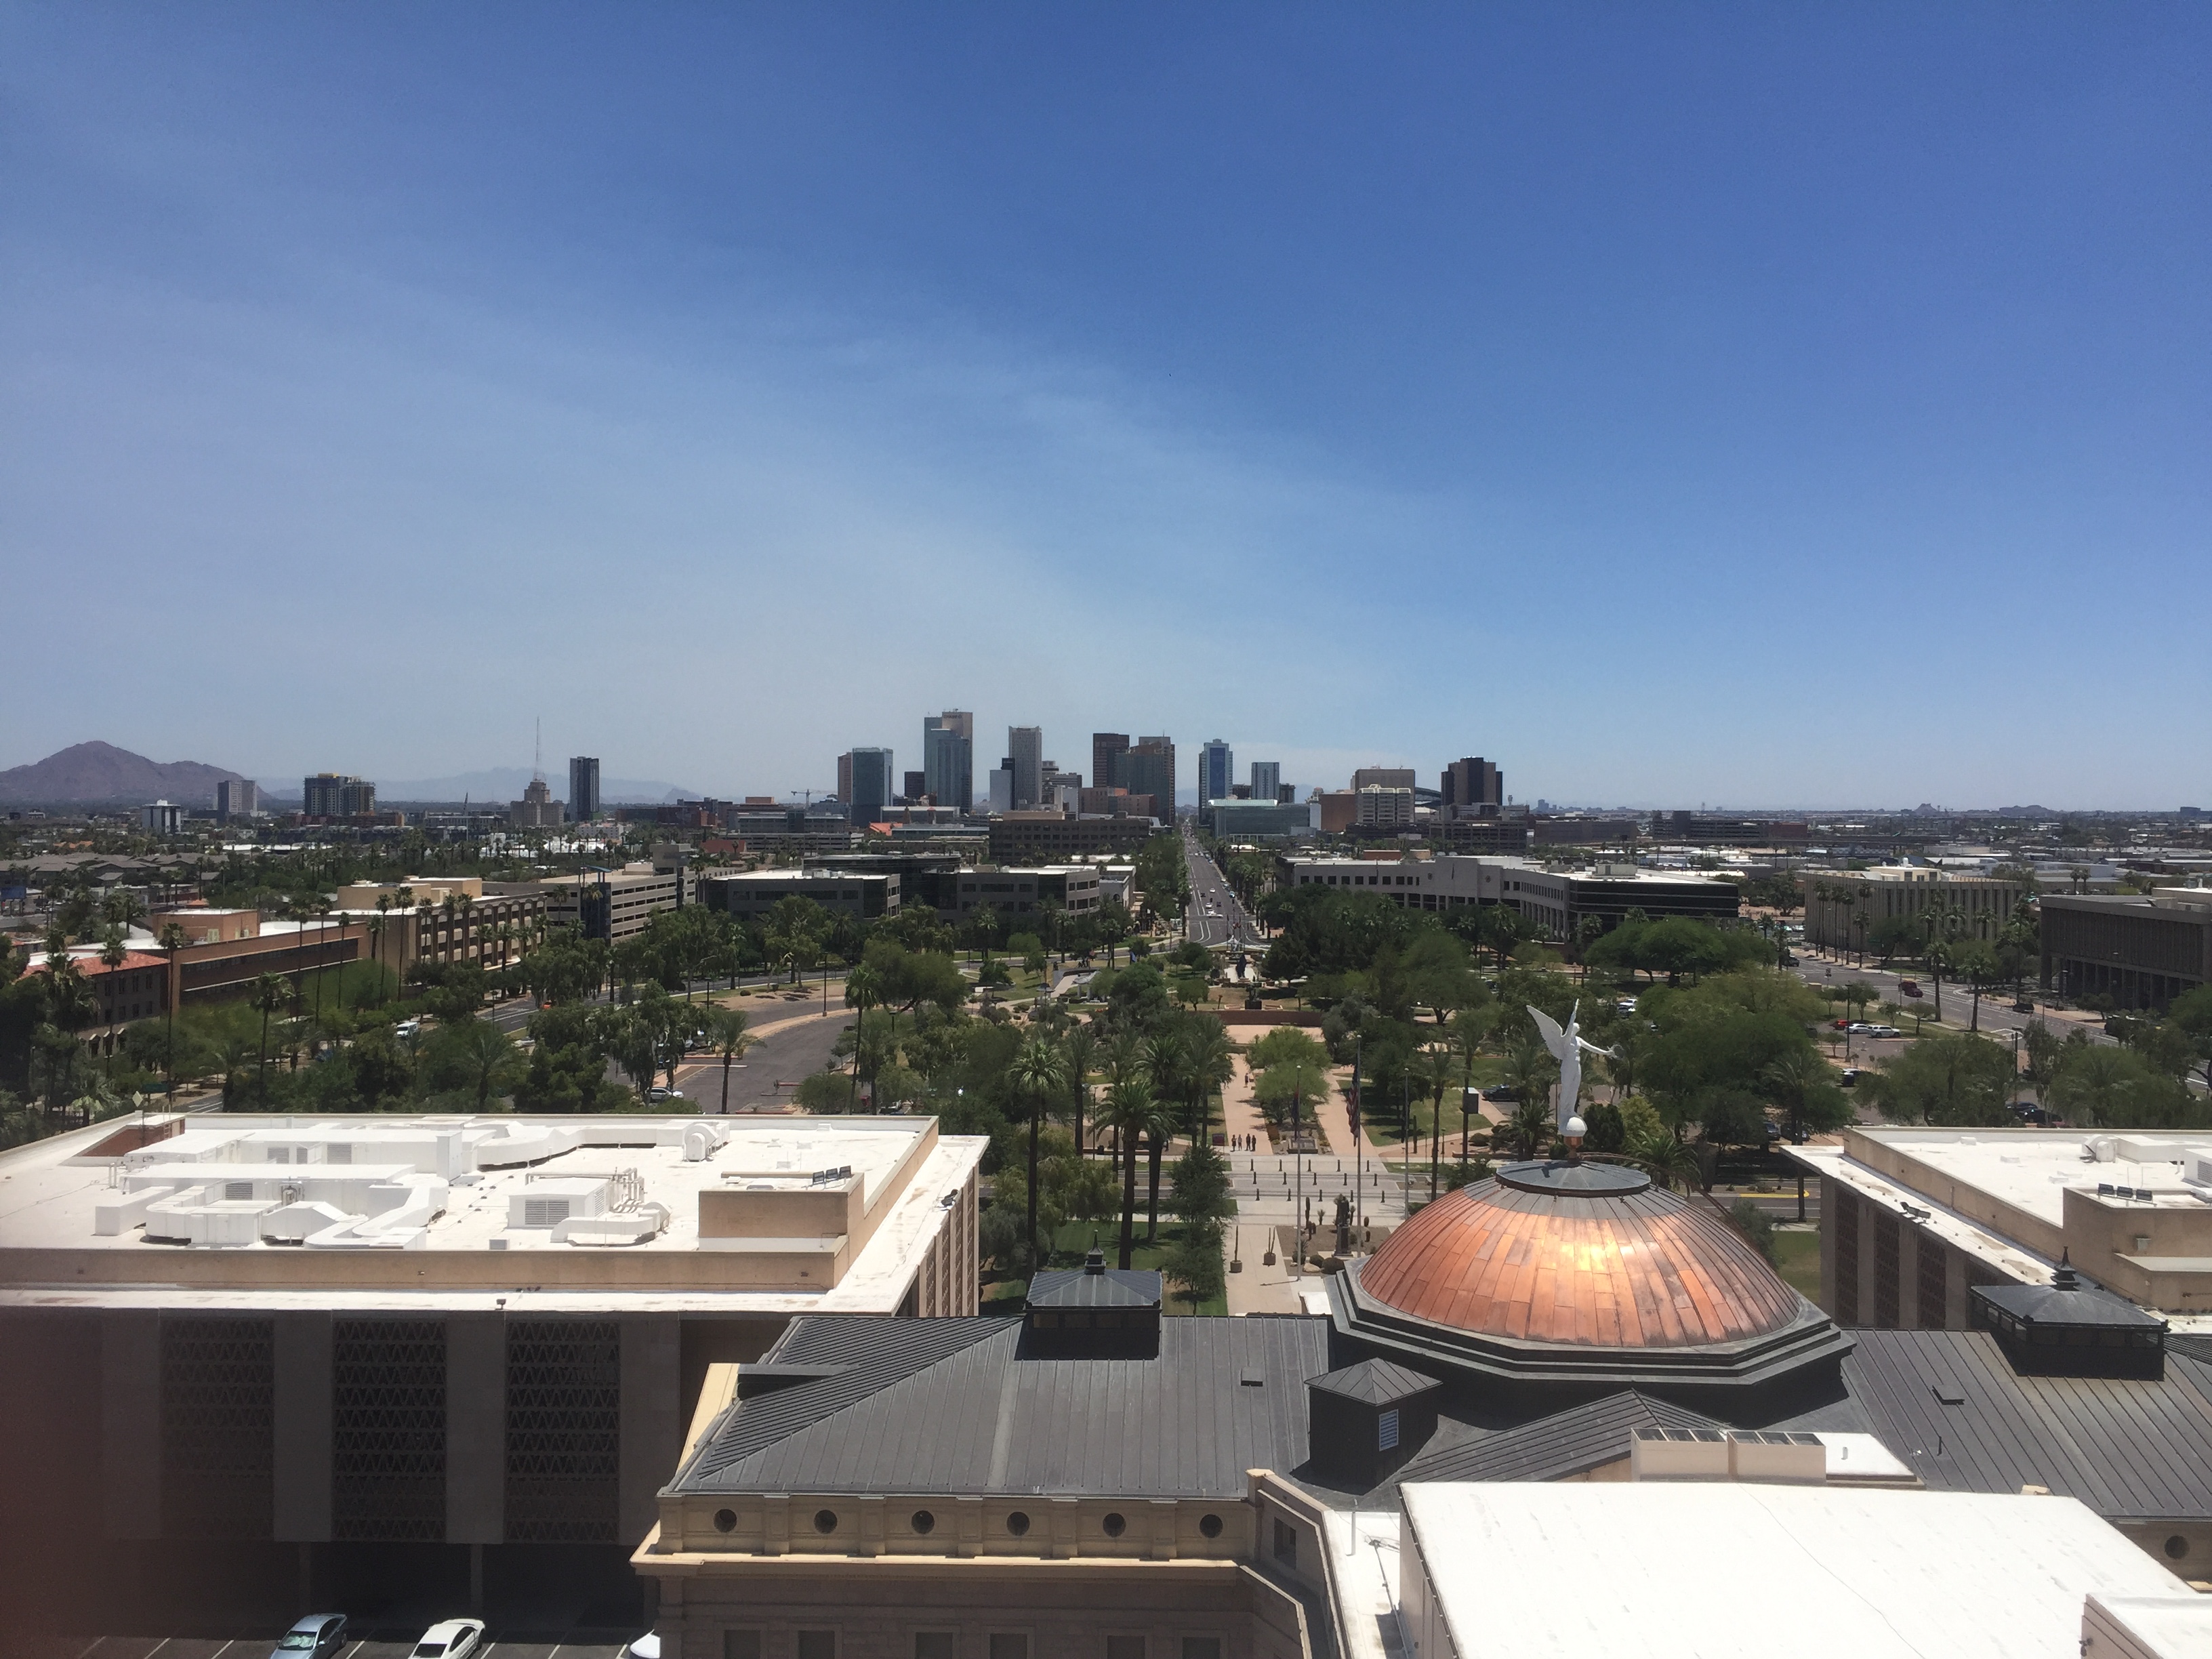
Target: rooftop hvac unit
<point x="544" y="1212"/>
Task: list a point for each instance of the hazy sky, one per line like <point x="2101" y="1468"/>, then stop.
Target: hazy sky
<point x="1751" y="404"/>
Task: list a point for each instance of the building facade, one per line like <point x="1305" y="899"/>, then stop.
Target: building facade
<point x="1267" y="779"/>
<point x="237" y="797"/>
<point x="2140" y="952"/>
<point x="1382" y="806"/>
<point x="584" y="803"/>
<point x="481" y="1337"/>
<point x="1474" y="785"/>
<point x="610" y="904"/>
<point x="873" y="784"/>
<point x="537" y="810"/>
<point x="1259" y="819"/>
<point x="1050" y="837"/>
<point x="1835" y="901"/>
<point x="751" y="894"/>
<point x="336" y="795"/>
<point x="1149" y="768"/>
<point x="948" y="759"/>
<point x="1216" y="770"/>
<point x="1383" y="777"/>
<point x="1025" y="758"/>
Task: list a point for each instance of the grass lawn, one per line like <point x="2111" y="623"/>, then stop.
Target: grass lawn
<point x="1797" y="1258"/>
<point x="1382" y="1122"/>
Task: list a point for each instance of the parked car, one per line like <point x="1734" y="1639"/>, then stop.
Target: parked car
<point x="659" y="1094"/>
<point x="407" y="1028"/>
<point x="1883" y="1031"/>
<point x="2023" y="1005"/>
<point x="452" y="1639"/>
<point x="1849" y="1078"/>
<point x="1499" y="1091"/>
<point x="319" y="1636"/>
<point x="1625" y="1006"/>
<point x="1859" y="1028"/>
<point x="2026" y="1111"/>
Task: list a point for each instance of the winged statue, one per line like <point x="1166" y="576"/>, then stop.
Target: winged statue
<point x="1567" y="1047"/>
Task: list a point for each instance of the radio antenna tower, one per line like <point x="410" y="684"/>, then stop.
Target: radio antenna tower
<point x="538" y="752"/>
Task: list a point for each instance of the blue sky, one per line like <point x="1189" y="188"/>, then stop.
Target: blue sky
<point x="1677" y="404"/>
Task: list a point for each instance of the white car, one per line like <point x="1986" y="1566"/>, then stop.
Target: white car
<point x="1883" y="1031"/>
<point x="658" y="1094"/>
<point x="407" y="1028"/>
<point x="646" y="1646"/>
<point x="454" y="1638"/>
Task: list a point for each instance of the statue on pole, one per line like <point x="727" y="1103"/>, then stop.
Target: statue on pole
<point x="1567" y="1047"/>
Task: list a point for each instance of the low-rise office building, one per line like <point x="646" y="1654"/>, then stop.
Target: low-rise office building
<point x="1835" y="901"/>
<point x="1075" y="888"/>
<point x="264" y="1350"/>
<point x="2141" y="952"/>
<point x="1262" y="820"/>
<point x="609" y="904"/>
<point x="1913" y="1220"/>
<point x="749" y="894"/>
<point x="1556" y="900"/>
<point x="1048" y="837"/>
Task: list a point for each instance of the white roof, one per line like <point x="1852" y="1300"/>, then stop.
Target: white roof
<point x="1627" y="1571"/>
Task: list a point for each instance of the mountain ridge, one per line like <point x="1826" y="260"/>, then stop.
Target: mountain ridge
<point x="95" y="772"/>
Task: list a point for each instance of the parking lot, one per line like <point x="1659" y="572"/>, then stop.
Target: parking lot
<point x="392" y="1645"/>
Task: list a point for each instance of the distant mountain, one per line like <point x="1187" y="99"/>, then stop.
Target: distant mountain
<point x="95" y="774"/>
<point x="507" y="783"/>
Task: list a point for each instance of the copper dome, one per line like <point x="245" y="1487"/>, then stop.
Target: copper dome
<point x="1587" y="1256"/>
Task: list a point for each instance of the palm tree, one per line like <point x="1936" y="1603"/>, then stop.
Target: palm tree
<point x="726" y="1034"/>
<point x="488" y="1053"/>
<point x="1037" y="1074"/>
<point x="1129" y="1109"/>
<point x="376" y="938"/>
<point x="270" y="994"/>
<point x="1667" y="1159"/>
<point x="1212" y="1063"/>
<point x="1082" y="1049"/>
<point x="1430" y="1074"/>
<point x="463" y="903"/>
<point x="172" y="940"/>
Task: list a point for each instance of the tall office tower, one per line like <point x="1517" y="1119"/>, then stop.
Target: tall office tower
<point x="1025" y="751"/>
<point x="872" y="786"/>
<point x="948" y="759"/>
<point x="1106" y="750"/>
<point x="336" y="795"/>
<point x="1387" y="777"/>
<point x="845" y="777"/>
<point x="583" y="789"/>
<point x="1474" y="785"/>
<point x="237" y="797"/>
<point x="1149" y="768"/>
<point x="1267" y="779"/>
<point x="1002" y="785"/>
<point x="1215" y="766"/>
<point x="913" y="786"/>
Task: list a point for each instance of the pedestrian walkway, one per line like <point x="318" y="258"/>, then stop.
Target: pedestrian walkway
<point x="1240" y="1115"/>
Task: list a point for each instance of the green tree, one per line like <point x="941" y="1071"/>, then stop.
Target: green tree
<point x="271" y="992"/>
<point x="1954" y="1079"/>
<point x="1194" y="1264"/>
<point x="474" y="1055"/>
<point x="727" y="1035"/>
<point x="2191" y="1013"/>
<point x="1130" y="1113"/>
<point x="2115" y="1089"/>
<point x="1038" y="1074"/>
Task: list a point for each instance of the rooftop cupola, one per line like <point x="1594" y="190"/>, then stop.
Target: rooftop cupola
<point x="1096" y="1312"/>
<point x="2067" y="1328"/>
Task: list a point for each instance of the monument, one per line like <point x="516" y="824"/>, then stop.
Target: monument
<point x="1566" y="1047"/>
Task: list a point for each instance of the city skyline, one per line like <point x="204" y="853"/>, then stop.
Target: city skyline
<point x="1624" y="388"/>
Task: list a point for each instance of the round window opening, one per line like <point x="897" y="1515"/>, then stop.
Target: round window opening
<point x="1210" y="1525"/>
<point x="2176" y="1548"/>
<point x="1017" y="1523"/>
<point x="923" y="1521"/>
<point x="825" y="1520"/>
<point x="1115" y="1525"/>
<point x="726" y="1520"/>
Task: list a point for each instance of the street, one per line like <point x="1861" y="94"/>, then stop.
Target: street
<point x="1215" y="917"/>
<point x="1998" y="1018"/>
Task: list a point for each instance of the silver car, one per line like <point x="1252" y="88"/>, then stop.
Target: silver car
<point x="319" y="1636"/>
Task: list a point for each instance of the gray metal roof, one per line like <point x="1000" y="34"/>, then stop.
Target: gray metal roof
<point x="1376" y="1382"/>
<point x="1113" y="1287"/>
<point x="1950" y="1405"/>
<point x="1568" y="1443"/>
<point x="952" y="1406"/>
